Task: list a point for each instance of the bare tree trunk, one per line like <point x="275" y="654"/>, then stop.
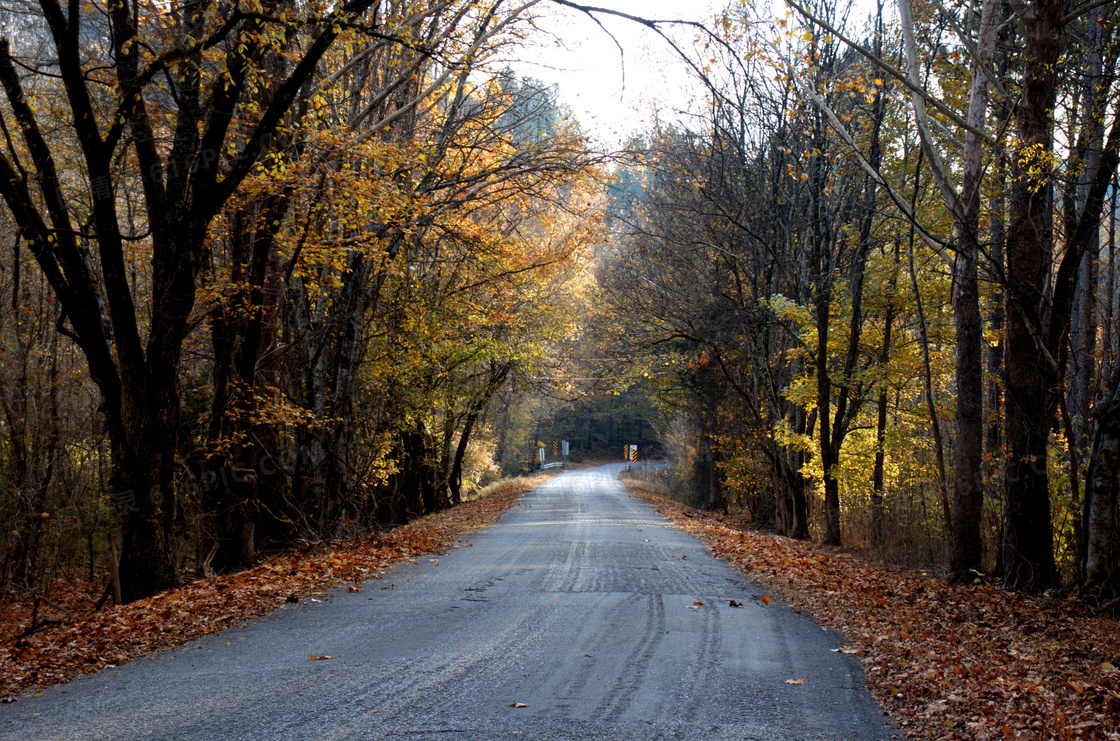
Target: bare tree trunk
<point x="1102" y="501"/>
<point x="966" y="544"/>
<point x="1028" y="548"/>
<point x="1109" y="335"/>
<point x="931" y="402"/>
<point x="993" y="440"/>
<point x="877" y="478"/>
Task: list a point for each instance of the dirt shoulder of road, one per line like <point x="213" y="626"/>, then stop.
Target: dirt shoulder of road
<point x="89" y="641"/>
<point x="946" y="662"/>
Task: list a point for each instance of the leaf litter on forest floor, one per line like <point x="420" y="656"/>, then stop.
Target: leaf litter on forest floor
<point x="118" y="634"/>
<point x="948" y="662"/>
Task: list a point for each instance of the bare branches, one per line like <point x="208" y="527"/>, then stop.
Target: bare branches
<point x="890" y="70"/>
<point x="938" y="246"/>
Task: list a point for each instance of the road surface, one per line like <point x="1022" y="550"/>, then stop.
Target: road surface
<point x="577" y="605"/>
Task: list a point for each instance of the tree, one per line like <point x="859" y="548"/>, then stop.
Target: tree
<point x="966" y="545"/>
<point x="185" y="104"/>
<point x="1040" y="312"/>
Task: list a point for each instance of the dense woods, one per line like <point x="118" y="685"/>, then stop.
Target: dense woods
<point x="877" y="275"/>
<point x="276" y="273"/>
<point x="267" y="266"/>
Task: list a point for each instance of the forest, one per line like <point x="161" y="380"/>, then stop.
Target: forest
<point x="279" y="273"/>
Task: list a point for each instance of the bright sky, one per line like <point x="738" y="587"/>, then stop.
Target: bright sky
<point x="612" y="92"/>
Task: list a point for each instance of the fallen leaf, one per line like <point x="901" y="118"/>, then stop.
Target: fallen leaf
<point x="765" y="600"/>
<point x="698" y="603"/>
<point x="846" y="650"/>
<point x="518" y="705"/>
<point x="181" y="616"/>
<point x="936" y="639"/>
<point x="796" y="681"/>
<point x="313" y="657"/>
<point x="734" y="603"/>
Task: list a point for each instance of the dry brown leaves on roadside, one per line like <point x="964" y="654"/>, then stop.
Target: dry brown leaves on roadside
<point x="116" y="635"/>
<point x="948" y="662"/>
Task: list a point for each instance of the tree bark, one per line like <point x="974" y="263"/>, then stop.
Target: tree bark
<point x="1102" y="502"/>
<point x="1028" y="551"/>
<point x="878" y="512"/>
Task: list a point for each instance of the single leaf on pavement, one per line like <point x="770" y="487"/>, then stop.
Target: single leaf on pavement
<point x="518" y="705"/>
<point x="796" y="681"/>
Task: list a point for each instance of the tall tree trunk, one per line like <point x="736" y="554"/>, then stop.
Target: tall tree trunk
<point x="497" y="377"/>
<point x="1102" y="501"/>
<point x="993" y="436"/>
<point x="877" y="534"/>
<point x="931" y="401"/>
<point x="1082" y="367"/>
<point x="713" y="479"/>
<point x="792" y="505"/>
<point x="142" y="479"/>
<point x="1028" y="550"/>
<point x="1083" y="328"/>
<point x="232" y="482"/>
<point x="821" y="261"/>
<point x="966" y="545"/>
<point x="1110" y="338"/>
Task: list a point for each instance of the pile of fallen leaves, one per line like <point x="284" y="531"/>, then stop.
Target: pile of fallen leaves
<point x="115" y="635"/>
<point x="947" y="662"/>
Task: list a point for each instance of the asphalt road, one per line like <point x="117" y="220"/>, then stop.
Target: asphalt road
<point x="576" y="605"/>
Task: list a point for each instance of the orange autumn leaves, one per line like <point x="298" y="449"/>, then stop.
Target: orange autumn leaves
<point x="948" y="662"/>
<point x="116" y="635"/>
